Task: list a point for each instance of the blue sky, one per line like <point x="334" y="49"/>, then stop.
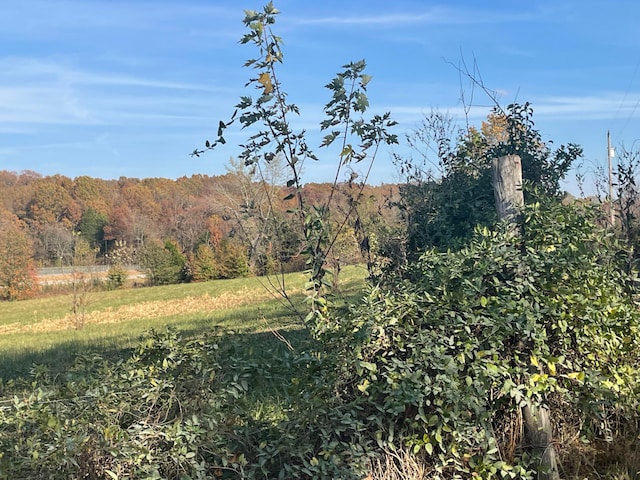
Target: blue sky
<point x="129" y="88"/>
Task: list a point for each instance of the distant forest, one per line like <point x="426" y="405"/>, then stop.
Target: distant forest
<point x="121" y="217"/>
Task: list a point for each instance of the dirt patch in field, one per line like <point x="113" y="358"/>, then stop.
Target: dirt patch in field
<point x="145" y="310"/>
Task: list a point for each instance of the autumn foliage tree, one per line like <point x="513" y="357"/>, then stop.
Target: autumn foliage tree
<point x="51" y="202"/>
<point x="17" y="273"/>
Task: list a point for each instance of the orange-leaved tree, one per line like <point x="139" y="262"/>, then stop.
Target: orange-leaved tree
<point x="17" y="273"/>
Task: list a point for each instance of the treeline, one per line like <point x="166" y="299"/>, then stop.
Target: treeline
<point x="191" y="229"/>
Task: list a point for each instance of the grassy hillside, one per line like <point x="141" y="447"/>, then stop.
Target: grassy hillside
<point x="44" y="330"/>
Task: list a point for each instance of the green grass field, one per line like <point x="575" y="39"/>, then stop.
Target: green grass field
<point x="44" y="330"/>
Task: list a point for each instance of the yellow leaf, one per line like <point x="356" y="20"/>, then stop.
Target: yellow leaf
<point x="265" y="81"/>
<point x="576" y="376"/>
<point x="552" y="368"/>
<point x="364" y="386"/>
<point x="536" y="377"/>
<point x="534" y="361"/>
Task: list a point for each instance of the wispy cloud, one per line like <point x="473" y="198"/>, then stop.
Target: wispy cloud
<point x="40" y="105"/>
<point x="606" y="105"/>
<point x="40" y="92"/>
<point x="30" y="70"/>
<point x="434" y="16"/>
<point x="41" y="17"/>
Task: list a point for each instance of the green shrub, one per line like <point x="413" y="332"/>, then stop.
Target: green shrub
<point x="116" y="277"/>
<point x="144" y="417"/>
<point x="179" y="408"/>
<point x="163" y="263"/>
<point x="202" y="265"/>
<point x="443" y="359"/>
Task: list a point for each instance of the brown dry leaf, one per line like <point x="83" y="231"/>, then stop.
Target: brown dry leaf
<point x="265" y="80"/>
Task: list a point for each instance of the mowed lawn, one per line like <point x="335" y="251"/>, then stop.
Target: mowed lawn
<point x="45" y="330"/>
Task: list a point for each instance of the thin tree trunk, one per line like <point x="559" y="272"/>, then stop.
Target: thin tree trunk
<point x="507" y="187"/>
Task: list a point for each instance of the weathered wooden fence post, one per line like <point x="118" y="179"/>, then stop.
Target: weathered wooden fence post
<point x="507" y="187"/>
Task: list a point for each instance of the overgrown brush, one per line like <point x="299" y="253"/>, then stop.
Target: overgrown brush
<point x="443" y="359"/>
<point x="143" y="417"/>
<point x="180" y="408"/>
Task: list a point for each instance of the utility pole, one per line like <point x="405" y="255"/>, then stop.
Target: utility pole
<point x="610" y="161"/>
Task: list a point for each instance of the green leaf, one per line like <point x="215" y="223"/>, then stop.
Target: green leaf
<point x="361" y="102"/>
<point x="372" y="367"/>
<point x="245" y="102"/>
<point x="346" y="151"/>
<point x="329" y="139"/>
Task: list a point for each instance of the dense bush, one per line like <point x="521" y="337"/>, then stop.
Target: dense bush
<point x="178" y="409"/>
<point x="164" y="264"/>
<point x="132" y="419"/>
<point x="444" y="358"/>
<point x="443" y="210"/>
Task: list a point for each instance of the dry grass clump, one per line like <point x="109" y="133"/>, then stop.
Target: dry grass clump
<point x="402" y="465"/>
<point x="617" y="459"/>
